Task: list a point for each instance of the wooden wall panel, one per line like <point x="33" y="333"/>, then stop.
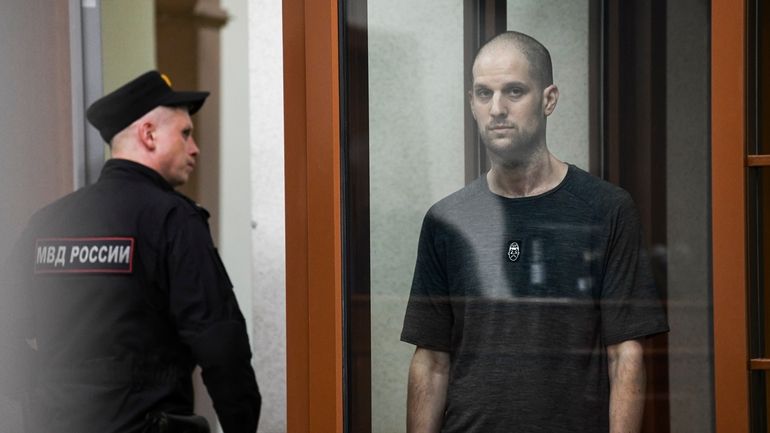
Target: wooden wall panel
<point x="728" y="102"/>
<point x="313" y="246"/>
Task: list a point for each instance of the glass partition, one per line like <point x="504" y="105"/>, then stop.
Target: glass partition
<point x="569" y="126"/>
<point x="633" y="109"/>
<point x="416" y="113"/>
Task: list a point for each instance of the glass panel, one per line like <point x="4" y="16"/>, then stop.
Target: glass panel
<point x="686" y="255"/>
<point x="416" y="157"/>
<point x="568" y="126"/>
<point x="416" y="108"/>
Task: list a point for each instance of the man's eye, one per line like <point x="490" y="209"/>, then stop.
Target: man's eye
<point x="484" y="93"/>
<point x="515" y="91"/>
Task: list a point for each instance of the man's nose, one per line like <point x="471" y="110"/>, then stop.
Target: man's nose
<point x="194" y="150"/>
<point x="498" y="107"/>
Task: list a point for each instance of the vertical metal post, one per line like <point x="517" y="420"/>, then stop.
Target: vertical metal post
<point x="86" y="73"/>
<point x="76" y="80"/>
<point x="482" y="20"/>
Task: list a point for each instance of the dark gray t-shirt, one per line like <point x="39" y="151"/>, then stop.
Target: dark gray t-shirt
<point x="525" y="294"/>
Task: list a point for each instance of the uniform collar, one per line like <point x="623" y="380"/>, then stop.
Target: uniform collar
<point x="122" y="168"/>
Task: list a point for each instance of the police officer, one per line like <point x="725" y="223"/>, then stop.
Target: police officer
<point x="125" y="290"/>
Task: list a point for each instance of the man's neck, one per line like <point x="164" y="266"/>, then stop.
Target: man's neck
<point x="534" y="177"/>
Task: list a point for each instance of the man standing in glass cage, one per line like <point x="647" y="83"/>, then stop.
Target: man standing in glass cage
<point x="532" y="291"/>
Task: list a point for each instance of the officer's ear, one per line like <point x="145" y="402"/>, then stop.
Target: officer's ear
<point x="147" y="134"/>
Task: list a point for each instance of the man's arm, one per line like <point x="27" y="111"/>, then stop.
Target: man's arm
<point x="426" y="397"/>
<point x="627" y="384"/>
<point x="209" y="321"/>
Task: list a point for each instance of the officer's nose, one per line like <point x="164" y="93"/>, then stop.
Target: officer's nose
<point x="194" y="150"/>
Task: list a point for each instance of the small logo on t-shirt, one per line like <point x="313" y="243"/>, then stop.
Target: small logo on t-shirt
<point x="514" y="251"/>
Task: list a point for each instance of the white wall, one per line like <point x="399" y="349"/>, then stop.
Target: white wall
<point x="128" y="40"/>
<point x="235" y="182"/>
<point x="265" y="92"/>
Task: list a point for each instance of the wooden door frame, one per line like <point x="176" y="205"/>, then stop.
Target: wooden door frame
<point x="313" y="247"/>
<point x="728" y="138"/>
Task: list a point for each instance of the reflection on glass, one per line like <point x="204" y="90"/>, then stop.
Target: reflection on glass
<point x="568" y="127"/>
<point x="416" y="157"/>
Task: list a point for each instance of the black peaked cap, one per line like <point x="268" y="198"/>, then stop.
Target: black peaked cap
<point x="117" y="110"/>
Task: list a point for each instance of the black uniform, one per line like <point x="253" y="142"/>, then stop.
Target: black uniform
<point x="126" y="294"/>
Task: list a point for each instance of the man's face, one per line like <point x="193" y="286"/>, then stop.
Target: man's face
<point x="176" y="149"/>
<point x="509" y="105"/>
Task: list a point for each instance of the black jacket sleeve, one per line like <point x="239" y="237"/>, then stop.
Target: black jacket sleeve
<point x="210" y="322"/>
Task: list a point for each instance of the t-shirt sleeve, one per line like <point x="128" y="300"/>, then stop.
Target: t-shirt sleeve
<point x="428" y="320"/>
<point x="630" y="303"/>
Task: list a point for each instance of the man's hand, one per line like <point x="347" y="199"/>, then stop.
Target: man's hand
<point x="426" y="398"/>
<point x="627" y="384"/>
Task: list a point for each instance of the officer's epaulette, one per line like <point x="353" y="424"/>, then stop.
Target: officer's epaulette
<point x="194" y="204"/>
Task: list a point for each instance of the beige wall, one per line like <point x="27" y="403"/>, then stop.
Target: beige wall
<point x="128" y="40"/>
<point x="35" y="124"/>
<point x="35" y="121"/>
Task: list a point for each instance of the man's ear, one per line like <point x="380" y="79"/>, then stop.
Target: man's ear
<point x="550" y="98"/>
<point x="147" y="132"/>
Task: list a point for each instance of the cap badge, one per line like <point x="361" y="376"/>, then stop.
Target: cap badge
<point x="166" y="79"/>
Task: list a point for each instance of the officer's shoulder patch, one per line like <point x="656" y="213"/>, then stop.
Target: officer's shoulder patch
<point x="103" y="255"/>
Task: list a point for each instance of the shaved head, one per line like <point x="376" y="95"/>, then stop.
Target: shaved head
<point x="536" y="54"/>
